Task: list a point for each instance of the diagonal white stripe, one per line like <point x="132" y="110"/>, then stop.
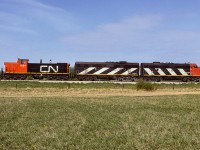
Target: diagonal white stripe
<point x="149" y="71"/>
<point x="160" y="71"/>
<point x="171" y="71"/>
<point x="129" y="71"/>
<point x="101" y="70"/>
<point x="87" y="70"/>
<point x="182" y="71"/>
<point x="114" y="71"/>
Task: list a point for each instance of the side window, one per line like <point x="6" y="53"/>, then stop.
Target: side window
<point x="194" y="66"/>
<point x="22" y="61"/>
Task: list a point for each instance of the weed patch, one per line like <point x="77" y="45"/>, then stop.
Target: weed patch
<point x="144" y="85"/>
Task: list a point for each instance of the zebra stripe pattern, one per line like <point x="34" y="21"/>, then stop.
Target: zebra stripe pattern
<point x="108" y="71"/>
<point x="166" y="71"/>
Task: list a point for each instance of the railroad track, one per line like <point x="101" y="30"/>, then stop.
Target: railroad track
<point x="87" y="82"/>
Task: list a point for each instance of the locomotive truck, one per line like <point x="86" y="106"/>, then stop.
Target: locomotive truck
<point x="122" y="71"/>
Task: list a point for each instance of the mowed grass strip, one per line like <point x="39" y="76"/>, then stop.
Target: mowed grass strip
<point x="107" y="85"/>
<point x="160" y="122"/>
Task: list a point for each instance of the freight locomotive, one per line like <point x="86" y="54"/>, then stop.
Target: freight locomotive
<point x="107" y="70"/>
<point x="122" y="71"/>
<point x="22" y="69"/>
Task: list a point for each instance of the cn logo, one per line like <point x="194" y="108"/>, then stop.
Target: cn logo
<point x="45" y="68"/>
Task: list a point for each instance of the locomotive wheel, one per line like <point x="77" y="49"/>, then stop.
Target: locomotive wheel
<point x="65" y="77"/>
<point x="7" y="77"/>
<point x="185" y="79"/>
<point x="128" y="78"/>
<point x="88" y="78"/>
<point x="80" y="79"/>
<point x="15" y="77"/>
<point x="49" y="77"/>
<point x="196" y="79"/>
<point x="94" y="78"/>
<point x="152" y="79"/>
<point x="120" y="79"/>
<point x="59" y="78"/>
<point x="22" y="77"/>
<point x="134" y="79"/>
<point x="146" y="78"/>
<point x="155" y="79"/>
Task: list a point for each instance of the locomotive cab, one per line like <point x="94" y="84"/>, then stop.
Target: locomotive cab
<point x="195" y="70"/>
<point x="16" y="67"/>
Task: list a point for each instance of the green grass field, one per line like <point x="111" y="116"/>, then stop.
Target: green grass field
<point x="36" y="84"/>
<point x="158" y="122"/>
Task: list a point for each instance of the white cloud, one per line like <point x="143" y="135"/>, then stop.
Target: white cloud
<point x="36" y="26"/>
<point x="33" y="4"/>
<point x="18" y="29"/>
<point x="144" y="38"/>
<point x="135" y="34"/>
<point x="31" y="29"/>
<point x="14" y="23"/>
<point x="115" y="36"/>
<point x="133" y="23"/>
<point x="31" y="16"/>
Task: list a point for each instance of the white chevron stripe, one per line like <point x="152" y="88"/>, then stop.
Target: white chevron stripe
<point x="114" y="71"/>
<point x="182" y="71"/>
<point x="160" y="71"/>
<point x="129" y="71"/>
<point x="87" y="70"/>
<point x="171" y="71"/>
<point x="149" y="71"/>
<point x="101" y="70"/>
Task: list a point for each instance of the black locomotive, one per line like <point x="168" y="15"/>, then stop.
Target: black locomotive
<point x="107" y="70"/>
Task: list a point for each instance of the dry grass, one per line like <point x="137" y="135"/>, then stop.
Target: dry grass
<point x="57" y="92"/>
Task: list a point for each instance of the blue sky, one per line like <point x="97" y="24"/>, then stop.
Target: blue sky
<point x="100" y="30"/>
